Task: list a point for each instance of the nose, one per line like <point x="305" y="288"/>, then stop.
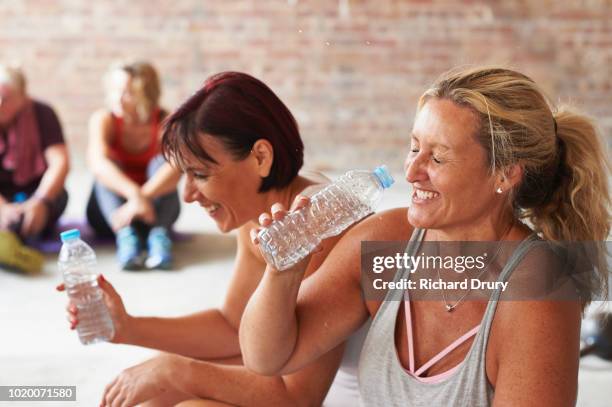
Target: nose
<point x="415" y="167"/>
<point x="189" y="190"/>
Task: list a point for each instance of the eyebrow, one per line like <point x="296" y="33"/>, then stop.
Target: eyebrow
<point x="198" y="169"/>
<point x="434" y="145"/>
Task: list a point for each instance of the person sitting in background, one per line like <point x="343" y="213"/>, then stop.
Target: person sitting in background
<point x="33" y="161"/>
<point x="134" y="195"/>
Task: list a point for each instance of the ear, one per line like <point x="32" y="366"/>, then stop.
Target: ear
<point x="263" y="153"/>
<point x="510" y="177"/>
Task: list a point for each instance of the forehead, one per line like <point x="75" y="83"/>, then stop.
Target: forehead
<point x="118" y="78"/>
<point x="441" y="121"/>
<point x="212" y="146"/>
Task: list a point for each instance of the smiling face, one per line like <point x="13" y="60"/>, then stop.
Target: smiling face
<point x="453" y="187"/>
<point x="228" y="190"/>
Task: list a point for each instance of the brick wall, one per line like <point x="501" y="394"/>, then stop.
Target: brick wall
<point x="351" y="75"/>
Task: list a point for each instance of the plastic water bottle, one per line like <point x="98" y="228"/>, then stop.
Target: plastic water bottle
<point x="76" y="262"/>
<point x="19" y="197"/>
<point x="333" y="209"/>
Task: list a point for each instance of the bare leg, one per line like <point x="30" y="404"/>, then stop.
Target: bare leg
<point x="202" y="403"/>
<point x="167" y="399"/>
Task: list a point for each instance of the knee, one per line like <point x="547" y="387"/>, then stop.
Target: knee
<point x="166" y="399"/>
<point x="200" y="403"/>
<point x="189" y="403"/>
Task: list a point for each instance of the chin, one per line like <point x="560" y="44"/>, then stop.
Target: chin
<point x="224" y="228"/>
<point x="420" y="220"/>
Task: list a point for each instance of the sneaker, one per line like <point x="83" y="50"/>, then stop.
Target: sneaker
<point x="17" y="256"/>
<point x="128" y="249"/>
<point x="160" y="249"/>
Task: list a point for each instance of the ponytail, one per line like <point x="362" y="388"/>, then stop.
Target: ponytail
<point x="578" y="207"/>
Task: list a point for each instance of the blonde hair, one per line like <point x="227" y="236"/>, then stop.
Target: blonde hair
<point x="564" y="191"/>
<point x="13" y="76"/>
<point x="145" y="86"/>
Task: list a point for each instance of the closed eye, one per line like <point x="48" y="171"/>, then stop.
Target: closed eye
<point x="435" y="159"/>
<point x="200" y="176"/>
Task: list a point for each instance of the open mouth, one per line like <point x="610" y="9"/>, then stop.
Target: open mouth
<point x="212" y="209"/>
<point x="420" y="195"/>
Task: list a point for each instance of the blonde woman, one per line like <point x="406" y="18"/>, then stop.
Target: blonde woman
<point x="487" y="150"/>
<point x="134" y="196"/>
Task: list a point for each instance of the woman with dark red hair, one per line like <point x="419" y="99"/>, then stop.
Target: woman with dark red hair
<point x="240" y="149"/>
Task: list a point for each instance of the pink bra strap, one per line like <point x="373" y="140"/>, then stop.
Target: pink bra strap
<point x="447" y="350"/>
<point x="409" y="332"/>
<point x="439" y="377"/>
<point x="440" y="355"/>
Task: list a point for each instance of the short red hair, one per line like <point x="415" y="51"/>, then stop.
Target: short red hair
<point x="238" y="110"/>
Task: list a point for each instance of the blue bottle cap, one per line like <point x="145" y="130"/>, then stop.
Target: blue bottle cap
<point x="20" y="197"/>
<point x="382" y="173"/>
<point x="71" y="234"/>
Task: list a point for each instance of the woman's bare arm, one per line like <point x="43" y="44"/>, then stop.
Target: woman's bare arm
<point x="162" y="182"/>
<point x="282" y="331"/>
<point x="238" y="386"/>
<point x="208" y="334"/>
<point x="54" y="178"/>
<point x="169" y="378"/>
<point x="535" y="361"/>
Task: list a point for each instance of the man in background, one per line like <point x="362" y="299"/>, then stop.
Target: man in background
<point x="33" y="168"/>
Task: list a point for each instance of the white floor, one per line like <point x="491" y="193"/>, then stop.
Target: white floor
<point x="37" y="348"/>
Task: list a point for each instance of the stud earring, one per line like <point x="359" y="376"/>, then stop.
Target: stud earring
<point x="499" y="190"/>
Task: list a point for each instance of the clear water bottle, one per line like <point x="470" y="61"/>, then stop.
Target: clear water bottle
<point x="76" y="262"/>
<point x="333" y="209"/>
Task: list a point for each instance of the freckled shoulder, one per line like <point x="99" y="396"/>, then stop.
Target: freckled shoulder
<point x="391" y="224"/>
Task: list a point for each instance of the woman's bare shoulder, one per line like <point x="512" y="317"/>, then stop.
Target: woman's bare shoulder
<point x="101" y="116"/>
<point x="391" y="224"/>
<point x="100" y="123"/>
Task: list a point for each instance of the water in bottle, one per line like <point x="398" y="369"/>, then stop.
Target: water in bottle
<point x="76" y="262"/>
<point x="342" y="203"/>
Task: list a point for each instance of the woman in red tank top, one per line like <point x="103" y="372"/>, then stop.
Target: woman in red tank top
<point x="134" y="165"/>
<point x="134" y="196"/>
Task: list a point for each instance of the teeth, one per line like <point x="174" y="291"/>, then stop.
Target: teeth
<point x="425" y="194"/>
<point x="211" y="208"/>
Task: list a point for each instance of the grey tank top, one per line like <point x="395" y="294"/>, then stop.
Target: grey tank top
<point x="383" y="380"/>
